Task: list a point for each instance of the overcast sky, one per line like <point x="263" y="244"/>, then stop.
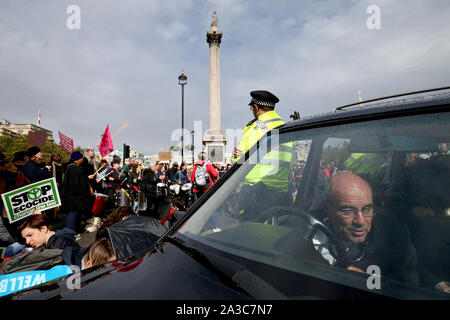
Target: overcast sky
<point x="122" y="65"/>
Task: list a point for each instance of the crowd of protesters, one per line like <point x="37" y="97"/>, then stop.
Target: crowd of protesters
<point x="161" y="191"/>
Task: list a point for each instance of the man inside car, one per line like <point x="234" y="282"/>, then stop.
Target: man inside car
<point x="385" y="241"/>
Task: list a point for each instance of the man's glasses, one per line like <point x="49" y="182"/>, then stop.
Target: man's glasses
<point x="350" y="212"/>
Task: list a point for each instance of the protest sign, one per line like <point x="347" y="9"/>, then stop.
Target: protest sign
<point x="66" y="142"/>
<point x="42" y="195"/>
<point x="37" y="138"/>
<point x="15" y="282"/>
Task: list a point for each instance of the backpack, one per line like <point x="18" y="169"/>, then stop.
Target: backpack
<point x="38" y="259"/>
<point x="201" y="179"/>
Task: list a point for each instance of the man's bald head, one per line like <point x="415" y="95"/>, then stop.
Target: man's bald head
<point x="347" y="192"/>
<point x="347" y="182"/>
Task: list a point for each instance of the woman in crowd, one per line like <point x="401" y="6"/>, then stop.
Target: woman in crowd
<point x="57" y="168"/>
<point x="101" y="181"/>
<point x="89" y="167"/>
<point x="99" y="252"/>
<point x="37" y="233"/>
<point x="182" y="177"/>
<point x="113" y="180"/>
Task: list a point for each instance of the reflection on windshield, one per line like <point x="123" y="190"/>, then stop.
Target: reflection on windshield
<point x="351" y="197"/>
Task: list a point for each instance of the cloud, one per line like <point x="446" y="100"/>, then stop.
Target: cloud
<point x="122" y="65"/>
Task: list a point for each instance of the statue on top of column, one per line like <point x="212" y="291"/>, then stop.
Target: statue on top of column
<point x="214" y="20"/>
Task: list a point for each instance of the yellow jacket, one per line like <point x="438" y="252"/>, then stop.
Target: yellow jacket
<point x="256" y="128"/>
<point x="274" y="177"/>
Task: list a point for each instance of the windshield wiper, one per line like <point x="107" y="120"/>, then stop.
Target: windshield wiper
<point x="229" y="272"/>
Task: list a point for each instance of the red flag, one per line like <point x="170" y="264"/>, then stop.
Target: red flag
<point x="39" y="118"/>
<point x="66" y="142"/>
<point x="106" y="145"/>
<point x="37" y="138"/>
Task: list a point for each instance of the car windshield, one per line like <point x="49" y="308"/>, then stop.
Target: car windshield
<point x="341" y="203"/>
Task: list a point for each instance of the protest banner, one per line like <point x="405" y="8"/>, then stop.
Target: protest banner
<point x="37" y="138"/>
<point x="66" y="142"/>
<point x="14" y="282"/>
<point x="165" y="155"/>
<point x="42" y="195"/>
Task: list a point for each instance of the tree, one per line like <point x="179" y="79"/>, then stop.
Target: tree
<point x="338" y="154"/>
<point x="12" y="145"/>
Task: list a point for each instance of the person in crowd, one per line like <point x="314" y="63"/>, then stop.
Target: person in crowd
<point x="134" y="177"/>
<point x="32" y="169"/>
<point x="8" y="173"/>
<point x="57" y="168"/>
<point x="100" y="176"/>
<point x="118" y="214"/>
<point x="348" y="205"/>
<point x="172" y="172"/>
<point x="162" y="200"/>
<point x="161" y="175"/>
<point x="222" y="171"/>
<point x="20" y="159"/>
<point x="150" y="168"/>
<point x="113" y="180"/>
<point x="90" y="166"/>
<point x="228" y="166"/>
<point x="99" y="252"/>
<point x="181" y="176"/>
<point x="37" y="232"/>
<point x="149" y="187"/>
<point x="177" y="204"/>
<point x="212" y="175"/>
<point x="207" y="170"/>
<point x="76" y="195"/>
<point x="126" y="169"/>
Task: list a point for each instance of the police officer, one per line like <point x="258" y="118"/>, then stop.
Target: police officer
<point x="266" y="184"/>
<point x="262" y="105"/>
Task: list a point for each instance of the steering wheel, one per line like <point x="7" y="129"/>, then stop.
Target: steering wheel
<point x="309" y="226"/>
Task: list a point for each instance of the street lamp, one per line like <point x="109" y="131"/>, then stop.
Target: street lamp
<point x="182" y="80"/>
<point x="193" y="147"/>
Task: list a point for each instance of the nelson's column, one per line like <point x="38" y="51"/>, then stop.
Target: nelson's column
<point x="214" y="140"/>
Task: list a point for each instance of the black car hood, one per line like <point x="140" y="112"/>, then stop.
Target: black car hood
<point x="169" y="274"/>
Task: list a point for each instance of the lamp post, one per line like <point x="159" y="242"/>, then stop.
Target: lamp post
<point x="193" y="147"/>
<point x="182" y="80"/>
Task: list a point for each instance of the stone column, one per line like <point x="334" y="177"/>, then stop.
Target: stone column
<point x="214" y="140"/>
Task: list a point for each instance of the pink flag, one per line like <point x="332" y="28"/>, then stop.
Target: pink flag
<point x="106" y="145"/>
<point x="66" y="142"/>
<point x="37" y="138"/>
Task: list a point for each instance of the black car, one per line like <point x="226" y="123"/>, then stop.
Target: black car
<point x="261" y="231"/>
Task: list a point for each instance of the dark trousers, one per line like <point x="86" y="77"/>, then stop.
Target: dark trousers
<point x="74" y="221"/>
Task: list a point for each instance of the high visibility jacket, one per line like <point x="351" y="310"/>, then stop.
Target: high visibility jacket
<point x="274" y="168"/>
<point x="371" y="164"/>
<point x="256" y="128"/>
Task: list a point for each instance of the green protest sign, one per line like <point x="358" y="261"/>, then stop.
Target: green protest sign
<point x="41" y="196"/>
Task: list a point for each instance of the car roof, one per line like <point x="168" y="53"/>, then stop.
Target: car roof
<point x="362" y="109"/>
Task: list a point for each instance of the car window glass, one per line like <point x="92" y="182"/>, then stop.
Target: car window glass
<point x="281" y="215"/>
